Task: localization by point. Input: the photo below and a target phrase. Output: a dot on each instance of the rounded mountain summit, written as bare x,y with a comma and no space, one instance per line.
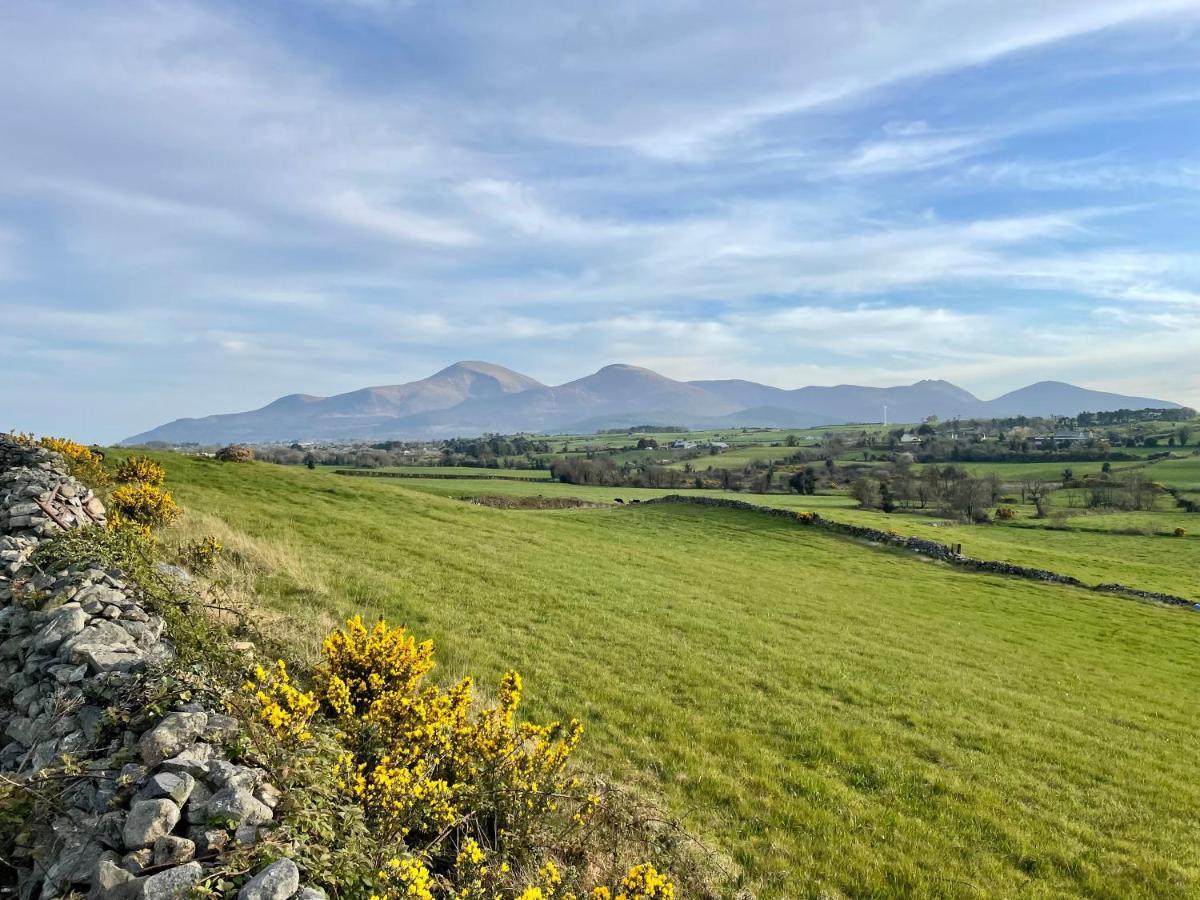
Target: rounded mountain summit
473,397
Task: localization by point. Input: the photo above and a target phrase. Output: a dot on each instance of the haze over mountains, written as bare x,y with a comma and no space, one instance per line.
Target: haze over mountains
470,398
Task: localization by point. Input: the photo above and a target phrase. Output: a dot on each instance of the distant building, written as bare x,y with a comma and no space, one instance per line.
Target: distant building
1067,437
718,445
907,438
683,445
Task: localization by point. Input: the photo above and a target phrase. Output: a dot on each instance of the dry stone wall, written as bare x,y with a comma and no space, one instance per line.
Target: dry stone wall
146,806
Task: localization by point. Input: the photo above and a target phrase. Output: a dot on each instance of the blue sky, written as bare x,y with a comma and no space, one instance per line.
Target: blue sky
205,206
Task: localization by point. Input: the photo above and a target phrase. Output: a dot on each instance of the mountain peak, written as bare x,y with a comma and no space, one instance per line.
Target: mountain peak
473,396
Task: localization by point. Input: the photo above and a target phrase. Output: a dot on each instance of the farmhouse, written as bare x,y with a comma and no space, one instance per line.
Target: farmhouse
683,445
1067,437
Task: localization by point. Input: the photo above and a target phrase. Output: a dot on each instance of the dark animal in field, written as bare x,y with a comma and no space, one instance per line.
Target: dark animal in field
618,500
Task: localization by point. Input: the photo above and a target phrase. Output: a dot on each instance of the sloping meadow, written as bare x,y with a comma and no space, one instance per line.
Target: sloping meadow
840,719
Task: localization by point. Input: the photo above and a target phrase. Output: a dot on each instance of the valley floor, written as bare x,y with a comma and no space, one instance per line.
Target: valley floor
842,720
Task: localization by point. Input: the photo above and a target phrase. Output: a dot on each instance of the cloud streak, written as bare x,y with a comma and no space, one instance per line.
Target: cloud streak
214,202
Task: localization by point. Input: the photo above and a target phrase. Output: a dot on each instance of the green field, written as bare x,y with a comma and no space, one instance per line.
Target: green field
460,471
1179,473
844,721
1088,548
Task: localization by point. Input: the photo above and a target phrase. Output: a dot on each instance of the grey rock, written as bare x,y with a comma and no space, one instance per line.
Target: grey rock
136,860
148,820
67,622
100,633
311,893
43,754
24,731
75,863
176,786
191,760
110,881
278,881
268,794
196,811
102,659
171,735
172,850
27,696
246,835
174,571
239,805
172,883
209,840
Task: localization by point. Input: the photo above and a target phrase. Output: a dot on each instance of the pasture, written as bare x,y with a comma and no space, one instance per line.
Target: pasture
842,720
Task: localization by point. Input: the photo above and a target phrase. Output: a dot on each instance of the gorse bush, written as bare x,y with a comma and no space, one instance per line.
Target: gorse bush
202,554
141,504
460,800
141,469
82,462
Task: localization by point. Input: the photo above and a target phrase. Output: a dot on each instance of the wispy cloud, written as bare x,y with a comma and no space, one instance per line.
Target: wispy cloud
803,192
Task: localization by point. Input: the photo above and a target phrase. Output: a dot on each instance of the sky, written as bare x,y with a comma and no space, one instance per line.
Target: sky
205,206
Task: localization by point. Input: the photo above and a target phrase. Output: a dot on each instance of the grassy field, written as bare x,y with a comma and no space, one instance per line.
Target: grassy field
1179,473
460,471
844,721
1090,550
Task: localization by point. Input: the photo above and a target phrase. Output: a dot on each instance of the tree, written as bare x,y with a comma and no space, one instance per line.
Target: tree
1184,434
1068,475
310,460
969,498
867,491
1035,489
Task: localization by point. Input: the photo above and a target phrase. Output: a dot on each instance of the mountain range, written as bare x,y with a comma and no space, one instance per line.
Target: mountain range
471,398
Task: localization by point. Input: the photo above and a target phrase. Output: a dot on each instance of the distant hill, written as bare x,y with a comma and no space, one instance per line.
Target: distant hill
364,413
470,398
1057,398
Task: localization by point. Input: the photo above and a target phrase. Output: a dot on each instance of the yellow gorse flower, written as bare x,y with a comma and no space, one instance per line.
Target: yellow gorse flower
141,469
142,504
285,710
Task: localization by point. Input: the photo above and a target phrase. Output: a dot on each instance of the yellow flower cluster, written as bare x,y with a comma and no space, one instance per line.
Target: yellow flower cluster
643,882
286,711
85,465
399,798
361,666
141,469
142,504
405,878
419,758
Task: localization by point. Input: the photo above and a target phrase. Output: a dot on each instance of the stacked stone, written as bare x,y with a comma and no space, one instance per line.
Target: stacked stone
35,490
152,803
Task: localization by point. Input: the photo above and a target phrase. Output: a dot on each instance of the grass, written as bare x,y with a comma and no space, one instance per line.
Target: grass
844,721
1179,473
1091,549
460,471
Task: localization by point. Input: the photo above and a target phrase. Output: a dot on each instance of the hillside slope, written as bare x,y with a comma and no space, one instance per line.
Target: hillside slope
861,709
